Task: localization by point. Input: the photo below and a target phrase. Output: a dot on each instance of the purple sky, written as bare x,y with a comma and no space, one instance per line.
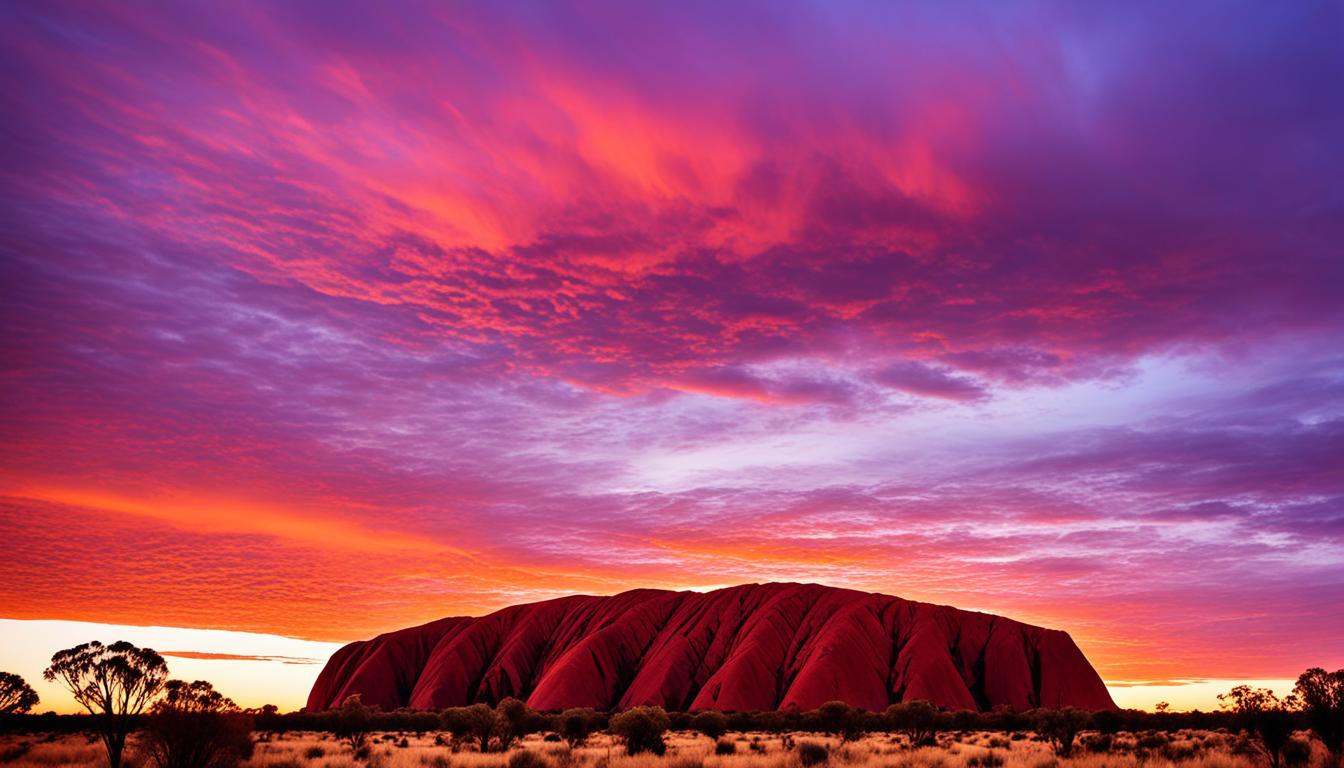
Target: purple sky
322,322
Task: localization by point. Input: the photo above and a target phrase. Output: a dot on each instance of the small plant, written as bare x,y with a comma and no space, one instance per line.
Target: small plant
1296,753
987,760
642,728
404,743
811,753
314,752
725,747
710,723
526,758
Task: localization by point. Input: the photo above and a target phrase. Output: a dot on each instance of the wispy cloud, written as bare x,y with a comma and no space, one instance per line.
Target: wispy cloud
1031,312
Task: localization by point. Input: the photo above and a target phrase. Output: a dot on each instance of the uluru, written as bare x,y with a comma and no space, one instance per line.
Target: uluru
753,647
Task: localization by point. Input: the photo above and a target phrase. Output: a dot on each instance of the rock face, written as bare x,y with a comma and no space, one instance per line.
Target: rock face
748,648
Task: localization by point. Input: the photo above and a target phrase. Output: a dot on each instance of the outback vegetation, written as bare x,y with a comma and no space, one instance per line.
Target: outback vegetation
138,717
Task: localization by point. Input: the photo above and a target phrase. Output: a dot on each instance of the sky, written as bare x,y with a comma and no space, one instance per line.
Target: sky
318,321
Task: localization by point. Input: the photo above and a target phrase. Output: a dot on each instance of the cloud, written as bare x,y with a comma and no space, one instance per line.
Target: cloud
994,311
239,657
925,381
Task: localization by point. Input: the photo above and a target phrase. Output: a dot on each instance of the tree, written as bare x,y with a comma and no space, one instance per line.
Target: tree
1321,696
16,696
710,723
840,719
1061,726
194,726
476,722
642,728
918,720
114,683
576,725
352,724
514,720
1263,715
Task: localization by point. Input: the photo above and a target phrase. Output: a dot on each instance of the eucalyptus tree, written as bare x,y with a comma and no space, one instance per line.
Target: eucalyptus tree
115,683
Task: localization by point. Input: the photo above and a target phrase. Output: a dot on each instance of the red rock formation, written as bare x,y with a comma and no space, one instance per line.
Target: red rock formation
753,647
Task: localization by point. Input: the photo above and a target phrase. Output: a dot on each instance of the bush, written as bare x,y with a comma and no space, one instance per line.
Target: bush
987,760
642,728
314,752
477,723
577,724
811,753
1296,753
839,719
710,723
725,747
1102,743
526,758
193,726
918,720
1060,727
353,722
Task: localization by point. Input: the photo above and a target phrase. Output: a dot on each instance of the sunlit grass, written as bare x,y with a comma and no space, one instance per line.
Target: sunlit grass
1186,749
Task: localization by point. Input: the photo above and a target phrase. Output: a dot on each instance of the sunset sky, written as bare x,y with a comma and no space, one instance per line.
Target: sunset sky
317,323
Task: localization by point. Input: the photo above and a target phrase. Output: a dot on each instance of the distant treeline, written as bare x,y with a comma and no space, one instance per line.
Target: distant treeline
452,720
126,689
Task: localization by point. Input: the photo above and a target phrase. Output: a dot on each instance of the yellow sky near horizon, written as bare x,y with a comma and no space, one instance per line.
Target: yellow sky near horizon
255,669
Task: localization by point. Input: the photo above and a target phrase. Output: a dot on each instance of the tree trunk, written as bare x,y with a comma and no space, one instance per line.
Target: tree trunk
115,745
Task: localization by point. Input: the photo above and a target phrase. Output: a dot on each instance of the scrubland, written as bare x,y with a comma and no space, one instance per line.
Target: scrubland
1192,749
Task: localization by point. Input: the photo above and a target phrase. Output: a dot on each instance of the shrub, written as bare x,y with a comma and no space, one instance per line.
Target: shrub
194,726
1152,740
811,754
314,752
576,725
1060,727
710,723
987,760
526,758
476,723
642,728
840,719
918,720
725,747
1296,753
1102,742
352,724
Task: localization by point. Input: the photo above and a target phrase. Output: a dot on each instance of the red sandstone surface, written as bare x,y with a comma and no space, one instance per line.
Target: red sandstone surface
748,648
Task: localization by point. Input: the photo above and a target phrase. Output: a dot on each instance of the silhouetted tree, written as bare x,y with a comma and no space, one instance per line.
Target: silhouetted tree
352,723
1321,696
114,683
1262,715
194,726
642,728
918,720
16,695
710,723
1060,727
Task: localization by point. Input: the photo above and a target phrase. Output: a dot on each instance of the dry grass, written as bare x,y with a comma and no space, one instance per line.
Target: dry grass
1186,749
